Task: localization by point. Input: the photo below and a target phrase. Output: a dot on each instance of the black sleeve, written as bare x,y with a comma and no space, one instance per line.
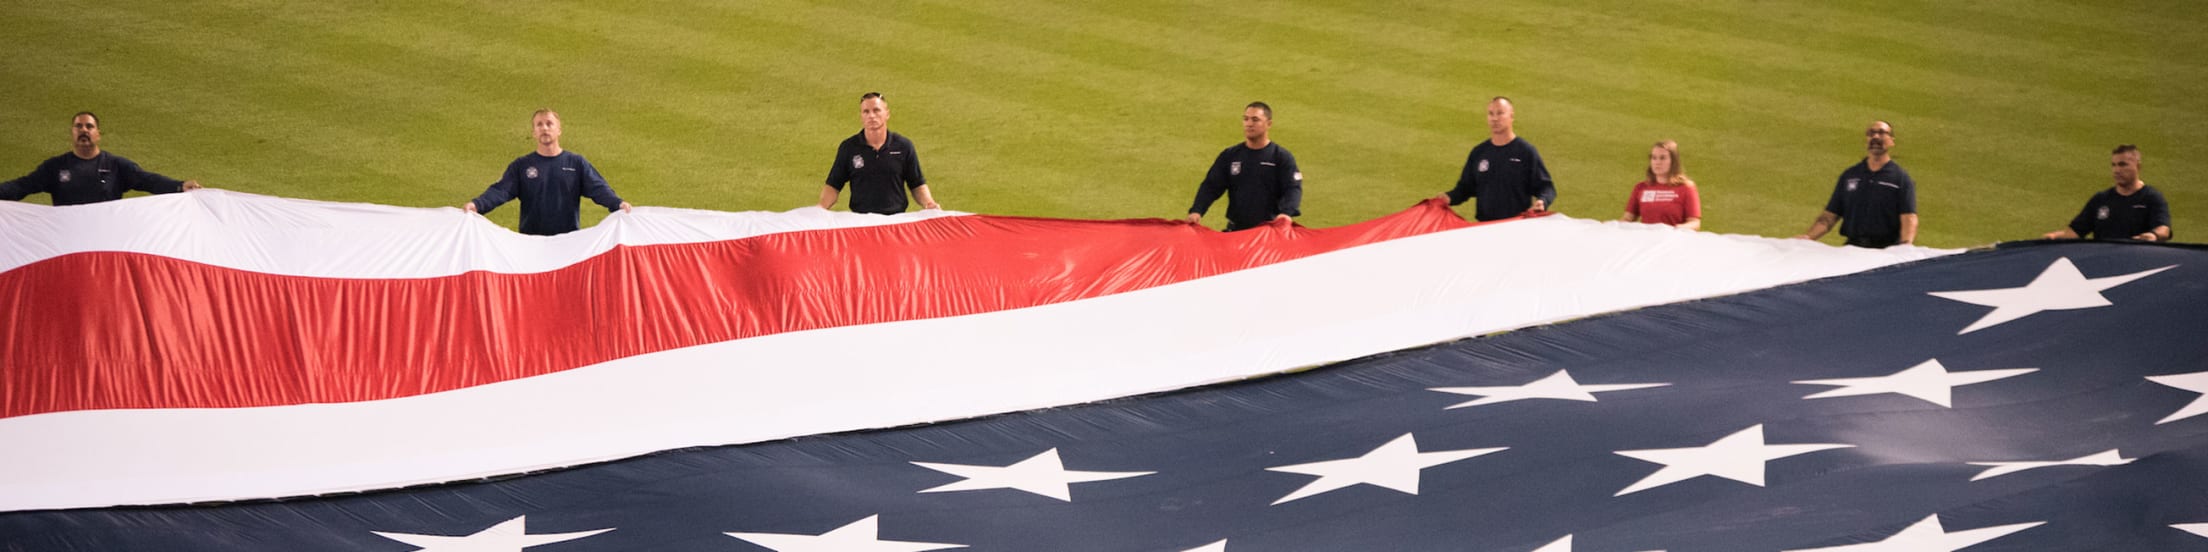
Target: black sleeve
1539,184
1215,185
839,173
1838,202
1291,185
1467,180
2158,211
2082,225
595,187
499,193
913,177
1908,194
137,178
16,190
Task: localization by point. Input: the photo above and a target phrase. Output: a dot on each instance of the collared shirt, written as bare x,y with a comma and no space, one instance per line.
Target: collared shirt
550,190
1505,179
2114,216
878,177
1259,184
1871,203
75,180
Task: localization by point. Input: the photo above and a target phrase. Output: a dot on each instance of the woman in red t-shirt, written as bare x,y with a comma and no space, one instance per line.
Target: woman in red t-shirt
1667,196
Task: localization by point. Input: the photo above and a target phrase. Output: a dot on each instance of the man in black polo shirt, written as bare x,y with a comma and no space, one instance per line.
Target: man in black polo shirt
878,164
87,174
1259,178
2129,210
1875,201
550,182
1504,172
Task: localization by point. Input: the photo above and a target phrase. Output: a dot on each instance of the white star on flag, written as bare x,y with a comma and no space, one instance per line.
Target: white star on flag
1220,546
1561,545
2060,287
1739,457
1928,536
1040,474
1559,385
508,536
859,536
1927,380
2103,458
1394,465
2196,382
2194,528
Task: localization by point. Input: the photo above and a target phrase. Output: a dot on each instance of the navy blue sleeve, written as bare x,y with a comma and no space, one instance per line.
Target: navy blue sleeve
37,181
839,173
1291,185
2082,225
2158,210
595,187
1215,185
1908,194
1467,180
1838,202
913,177
500,192
1540,185
140,179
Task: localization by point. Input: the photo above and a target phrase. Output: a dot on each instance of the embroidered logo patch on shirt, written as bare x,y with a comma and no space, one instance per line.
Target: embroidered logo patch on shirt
858,162
2103,214
64,176
1299,176
1234,168
531,173
1483,165
1851,184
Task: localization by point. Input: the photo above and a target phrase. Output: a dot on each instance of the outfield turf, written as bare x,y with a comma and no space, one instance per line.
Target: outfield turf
2004,110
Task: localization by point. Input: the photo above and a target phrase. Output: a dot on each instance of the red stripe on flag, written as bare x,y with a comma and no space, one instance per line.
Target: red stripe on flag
131,330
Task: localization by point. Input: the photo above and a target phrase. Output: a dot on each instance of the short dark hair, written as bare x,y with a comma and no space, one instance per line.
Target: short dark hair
1261,107
95,117
2125,148
872,95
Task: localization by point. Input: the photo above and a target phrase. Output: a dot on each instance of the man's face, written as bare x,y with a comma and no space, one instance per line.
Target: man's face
1878,138
1499,114
2124,167
874,113
546,128
1255,124
84,132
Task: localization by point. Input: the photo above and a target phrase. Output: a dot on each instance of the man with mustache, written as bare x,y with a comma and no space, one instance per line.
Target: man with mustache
87,174
549,182
1875,201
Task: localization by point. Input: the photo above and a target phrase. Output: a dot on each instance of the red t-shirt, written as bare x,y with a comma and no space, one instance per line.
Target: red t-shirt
1664,203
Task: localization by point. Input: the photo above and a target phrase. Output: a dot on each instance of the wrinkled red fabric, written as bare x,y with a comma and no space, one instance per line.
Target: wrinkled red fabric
131,330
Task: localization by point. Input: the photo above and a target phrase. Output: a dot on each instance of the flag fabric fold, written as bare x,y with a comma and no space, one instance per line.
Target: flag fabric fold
1844,413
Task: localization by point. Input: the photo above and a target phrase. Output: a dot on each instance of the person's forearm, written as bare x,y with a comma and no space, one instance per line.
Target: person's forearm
1821,226
828,197
927,198
1909,228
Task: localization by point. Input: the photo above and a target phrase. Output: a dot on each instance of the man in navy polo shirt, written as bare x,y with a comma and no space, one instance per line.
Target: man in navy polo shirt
550,182
1875,201
1504,172
879,165
88,174
2129,210
1259,178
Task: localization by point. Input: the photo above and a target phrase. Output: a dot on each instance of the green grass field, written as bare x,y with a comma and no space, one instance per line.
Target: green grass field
2005,110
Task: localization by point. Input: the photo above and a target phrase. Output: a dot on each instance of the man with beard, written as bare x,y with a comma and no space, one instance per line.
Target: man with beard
87,174
549,182
1875,201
